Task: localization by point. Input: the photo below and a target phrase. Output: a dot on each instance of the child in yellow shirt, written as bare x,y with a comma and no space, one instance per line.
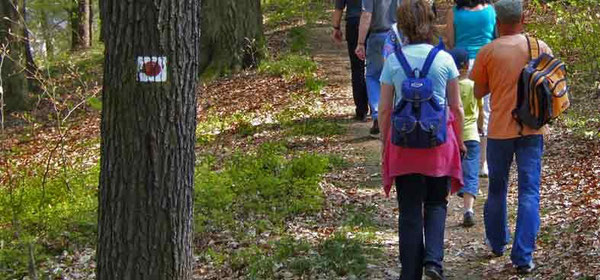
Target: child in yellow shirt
470,161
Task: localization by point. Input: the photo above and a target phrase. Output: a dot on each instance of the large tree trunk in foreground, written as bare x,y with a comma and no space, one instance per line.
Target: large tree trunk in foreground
14,61
232,35
148,133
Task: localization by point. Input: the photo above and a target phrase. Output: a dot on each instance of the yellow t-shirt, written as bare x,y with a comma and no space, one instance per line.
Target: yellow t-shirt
471,107
499,65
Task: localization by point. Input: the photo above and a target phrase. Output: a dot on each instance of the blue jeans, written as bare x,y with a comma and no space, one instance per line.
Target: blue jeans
528,151
374,67
415,194
470,167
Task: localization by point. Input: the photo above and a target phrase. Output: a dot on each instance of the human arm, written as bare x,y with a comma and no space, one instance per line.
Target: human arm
479,73
363,29
386,104
450,29
455,103
481,89
336,21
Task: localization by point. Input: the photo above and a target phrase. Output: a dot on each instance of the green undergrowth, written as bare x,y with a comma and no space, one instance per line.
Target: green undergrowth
343,254
51,215
277,12
268,185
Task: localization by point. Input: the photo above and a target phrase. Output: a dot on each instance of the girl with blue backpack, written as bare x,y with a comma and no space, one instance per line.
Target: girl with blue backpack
421,120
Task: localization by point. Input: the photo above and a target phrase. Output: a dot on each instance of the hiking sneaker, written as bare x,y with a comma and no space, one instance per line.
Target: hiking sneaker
484,173
374,131
361,117
468,219
494,253
434,272
525,269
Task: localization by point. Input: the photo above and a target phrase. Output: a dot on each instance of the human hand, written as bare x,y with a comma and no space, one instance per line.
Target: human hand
361,52
337,36
463,149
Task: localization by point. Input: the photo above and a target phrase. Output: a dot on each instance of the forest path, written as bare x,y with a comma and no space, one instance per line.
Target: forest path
465,255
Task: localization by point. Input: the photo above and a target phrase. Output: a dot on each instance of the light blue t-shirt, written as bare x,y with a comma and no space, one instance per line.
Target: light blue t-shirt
442,70
474,29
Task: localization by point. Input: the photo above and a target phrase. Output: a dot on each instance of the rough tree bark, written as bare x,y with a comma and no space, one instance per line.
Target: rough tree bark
12,51
147,149
232,36
30,67
91,22
80,26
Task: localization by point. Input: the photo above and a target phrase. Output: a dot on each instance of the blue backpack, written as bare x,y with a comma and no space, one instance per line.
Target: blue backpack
418,120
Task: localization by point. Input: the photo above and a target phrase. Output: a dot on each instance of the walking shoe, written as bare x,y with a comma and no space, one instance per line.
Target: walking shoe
468,219
374,131
361,117
525,269
484,170
494,253
434,272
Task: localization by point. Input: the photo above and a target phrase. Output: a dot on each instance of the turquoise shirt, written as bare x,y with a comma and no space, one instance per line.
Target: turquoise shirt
474,29
442,70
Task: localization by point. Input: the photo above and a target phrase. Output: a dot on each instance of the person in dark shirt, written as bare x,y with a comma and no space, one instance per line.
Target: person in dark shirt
359,89
377,18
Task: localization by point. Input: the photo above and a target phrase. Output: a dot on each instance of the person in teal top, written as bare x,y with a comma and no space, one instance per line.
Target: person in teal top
471,24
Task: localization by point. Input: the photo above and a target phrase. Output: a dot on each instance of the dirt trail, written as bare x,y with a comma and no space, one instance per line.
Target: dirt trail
465,256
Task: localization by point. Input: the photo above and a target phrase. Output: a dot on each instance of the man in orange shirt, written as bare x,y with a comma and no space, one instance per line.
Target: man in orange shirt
497,69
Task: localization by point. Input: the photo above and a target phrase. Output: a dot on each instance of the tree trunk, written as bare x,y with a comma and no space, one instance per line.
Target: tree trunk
91,22
80,24
12,52
145,210
30,67
47,34
232,36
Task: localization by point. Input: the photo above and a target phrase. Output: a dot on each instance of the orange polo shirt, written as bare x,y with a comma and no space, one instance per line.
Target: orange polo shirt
499,65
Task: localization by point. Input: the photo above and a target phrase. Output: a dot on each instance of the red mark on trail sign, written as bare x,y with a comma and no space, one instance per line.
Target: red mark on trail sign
152,69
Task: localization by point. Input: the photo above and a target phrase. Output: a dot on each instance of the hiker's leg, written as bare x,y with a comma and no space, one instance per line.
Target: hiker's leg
529,152
359,86
374,67
500,156
470,167
435,219
411,192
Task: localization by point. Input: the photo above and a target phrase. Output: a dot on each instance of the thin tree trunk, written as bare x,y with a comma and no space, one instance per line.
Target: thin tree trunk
80,26
30,67
91,22
145,208
47,34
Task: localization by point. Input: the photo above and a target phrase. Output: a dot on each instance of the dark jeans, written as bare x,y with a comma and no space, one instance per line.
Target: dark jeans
359,86
418,193
528,152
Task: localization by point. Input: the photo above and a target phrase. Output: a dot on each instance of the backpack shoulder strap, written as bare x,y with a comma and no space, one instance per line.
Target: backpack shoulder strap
534,47
404,62
429,61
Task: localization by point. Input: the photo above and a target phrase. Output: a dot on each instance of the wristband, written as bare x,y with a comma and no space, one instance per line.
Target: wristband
336,27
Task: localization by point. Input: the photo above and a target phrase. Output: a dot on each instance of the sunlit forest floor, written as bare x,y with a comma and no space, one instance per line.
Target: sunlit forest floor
288,185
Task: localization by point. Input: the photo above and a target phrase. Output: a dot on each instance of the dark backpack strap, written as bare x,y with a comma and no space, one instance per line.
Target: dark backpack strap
429,61
402,59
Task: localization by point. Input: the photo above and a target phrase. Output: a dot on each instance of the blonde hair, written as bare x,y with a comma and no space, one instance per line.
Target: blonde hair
416,20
